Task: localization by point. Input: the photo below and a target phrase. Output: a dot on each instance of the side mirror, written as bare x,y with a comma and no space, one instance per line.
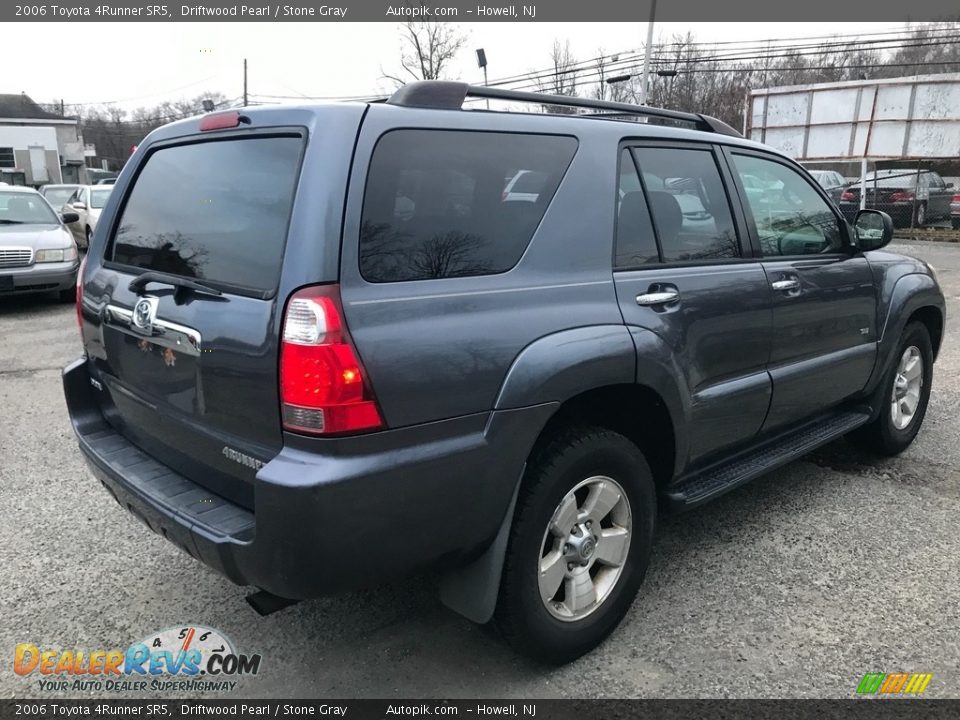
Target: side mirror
949,185
70,217
80,205
873,229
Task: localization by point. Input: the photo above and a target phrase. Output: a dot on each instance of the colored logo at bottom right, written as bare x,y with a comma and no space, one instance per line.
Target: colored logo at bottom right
901,683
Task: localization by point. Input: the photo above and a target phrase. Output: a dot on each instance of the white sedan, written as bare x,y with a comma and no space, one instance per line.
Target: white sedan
87,202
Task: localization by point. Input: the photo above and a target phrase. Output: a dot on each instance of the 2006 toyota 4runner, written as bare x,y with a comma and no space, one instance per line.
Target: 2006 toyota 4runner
330,345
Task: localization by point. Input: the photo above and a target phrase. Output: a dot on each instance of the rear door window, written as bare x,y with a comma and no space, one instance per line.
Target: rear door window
442,204
689,204
216,211
636,243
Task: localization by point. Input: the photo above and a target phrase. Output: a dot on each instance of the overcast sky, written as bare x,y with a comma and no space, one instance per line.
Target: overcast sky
142,64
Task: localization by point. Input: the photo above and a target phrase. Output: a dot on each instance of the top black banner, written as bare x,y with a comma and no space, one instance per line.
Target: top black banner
474,11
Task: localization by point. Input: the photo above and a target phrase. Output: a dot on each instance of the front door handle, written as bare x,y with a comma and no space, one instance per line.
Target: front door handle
785,285
661,297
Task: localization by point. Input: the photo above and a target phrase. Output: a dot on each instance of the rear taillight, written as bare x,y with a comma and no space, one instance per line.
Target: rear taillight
901,196
323,387
79,294
956,198
848,196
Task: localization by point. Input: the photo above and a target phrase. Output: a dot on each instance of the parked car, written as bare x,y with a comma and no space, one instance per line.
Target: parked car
37,252
312,387
899,193
831,181
58,195
87,202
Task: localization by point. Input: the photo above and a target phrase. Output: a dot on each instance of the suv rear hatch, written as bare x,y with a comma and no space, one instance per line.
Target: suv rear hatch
185,301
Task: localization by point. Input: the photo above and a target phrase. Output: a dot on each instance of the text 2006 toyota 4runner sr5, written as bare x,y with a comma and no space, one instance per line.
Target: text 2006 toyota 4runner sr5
330,345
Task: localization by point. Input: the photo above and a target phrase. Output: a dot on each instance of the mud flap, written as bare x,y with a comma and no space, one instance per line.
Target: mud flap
472,590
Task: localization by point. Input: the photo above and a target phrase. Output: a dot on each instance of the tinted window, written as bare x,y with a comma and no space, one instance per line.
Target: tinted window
791,217
688,203
213,210
436,203
636,244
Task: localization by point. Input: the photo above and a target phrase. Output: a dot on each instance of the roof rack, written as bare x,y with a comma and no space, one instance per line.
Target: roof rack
450,95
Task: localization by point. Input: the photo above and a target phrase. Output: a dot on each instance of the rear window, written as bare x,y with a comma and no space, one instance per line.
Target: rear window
436,203
216,211
906,178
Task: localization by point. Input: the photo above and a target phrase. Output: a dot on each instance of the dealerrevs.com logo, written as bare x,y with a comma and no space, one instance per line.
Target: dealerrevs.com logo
189,658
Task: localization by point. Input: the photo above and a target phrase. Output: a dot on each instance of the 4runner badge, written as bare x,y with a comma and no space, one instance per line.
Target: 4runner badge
238,457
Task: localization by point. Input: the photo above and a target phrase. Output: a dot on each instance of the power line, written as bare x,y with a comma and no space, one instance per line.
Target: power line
676,60
536,81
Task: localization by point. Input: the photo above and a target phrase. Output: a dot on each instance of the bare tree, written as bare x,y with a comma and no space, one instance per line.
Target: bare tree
562,80
427,48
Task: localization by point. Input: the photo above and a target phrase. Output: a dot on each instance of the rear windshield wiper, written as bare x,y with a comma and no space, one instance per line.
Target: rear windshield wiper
141,281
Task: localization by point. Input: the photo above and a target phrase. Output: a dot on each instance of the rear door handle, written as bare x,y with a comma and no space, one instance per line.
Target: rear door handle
785,285
661,297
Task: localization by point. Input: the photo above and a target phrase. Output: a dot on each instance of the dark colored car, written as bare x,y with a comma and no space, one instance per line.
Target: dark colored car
910,197
324,346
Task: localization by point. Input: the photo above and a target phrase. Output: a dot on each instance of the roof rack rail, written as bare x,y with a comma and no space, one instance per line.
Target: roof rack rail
450,95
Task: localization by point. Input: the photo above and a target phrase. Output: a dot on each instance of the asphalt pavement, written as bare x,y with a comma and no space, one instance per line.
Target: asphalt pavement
793,586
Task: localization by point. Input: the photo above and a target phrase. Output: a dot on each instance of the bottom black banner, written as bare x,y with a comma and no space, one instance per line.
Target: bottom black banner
868,709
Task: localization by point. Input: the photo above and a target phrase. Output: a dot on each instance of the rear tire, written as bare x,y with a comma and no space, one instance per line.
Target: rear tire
956,223
593,468
902,404
920,215
87,235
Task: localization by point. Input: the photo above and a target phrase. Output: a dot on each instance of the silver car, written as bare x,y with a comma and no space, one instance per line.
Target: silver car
37,251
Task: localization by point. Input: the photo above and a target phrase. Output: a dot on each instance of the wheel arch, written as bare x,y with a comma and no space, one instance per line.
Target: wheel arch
590,375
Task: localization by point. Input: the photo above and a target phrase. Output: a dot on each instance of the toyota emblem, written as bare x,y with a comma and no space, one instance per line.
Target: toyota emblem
144,312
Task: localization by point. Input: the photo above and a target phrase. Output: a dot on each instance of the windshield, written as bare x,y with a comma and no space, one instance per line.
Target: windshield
18,208
59,196
98,197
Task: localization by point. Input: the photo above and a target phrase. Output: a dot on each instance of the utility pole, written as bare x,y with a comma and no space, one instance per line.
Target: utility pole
646,54
244,82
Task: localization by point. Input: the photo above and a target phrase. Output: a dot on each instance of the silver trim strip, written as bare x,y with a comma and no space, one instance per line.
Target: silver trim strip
161,332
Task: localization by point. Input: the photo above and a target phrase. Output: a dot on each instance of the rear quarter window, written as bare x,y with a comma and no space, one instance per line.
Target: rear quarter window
216,210
444,203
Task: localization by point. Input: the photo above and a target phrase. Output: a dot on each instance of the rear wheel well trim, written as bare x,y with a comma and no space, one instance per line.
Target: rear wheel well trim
473,590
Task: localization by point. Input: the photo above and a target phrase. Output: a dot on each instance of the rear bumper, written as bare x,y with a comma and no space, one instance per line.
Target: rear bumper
367,510
41,277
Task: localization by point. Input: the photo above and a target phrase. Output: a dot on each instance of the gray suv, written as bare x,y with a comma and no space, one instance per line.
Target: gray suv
326,346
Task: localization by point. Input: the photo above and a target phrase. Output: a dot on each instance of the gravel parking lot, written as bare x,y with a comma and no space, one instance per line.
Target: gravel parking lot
794,586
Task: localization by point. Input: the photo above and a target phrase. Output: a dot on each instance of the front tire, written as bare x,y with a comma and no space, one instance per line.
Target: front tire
579,546
903,396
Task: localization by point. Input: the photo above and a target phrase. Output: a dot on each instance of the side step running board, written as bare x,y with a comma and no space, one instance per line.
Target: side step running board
779,451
